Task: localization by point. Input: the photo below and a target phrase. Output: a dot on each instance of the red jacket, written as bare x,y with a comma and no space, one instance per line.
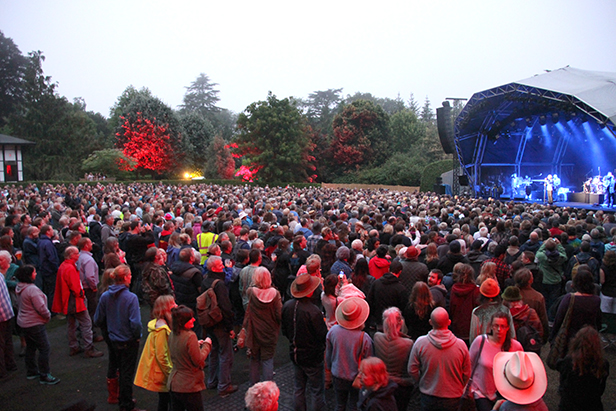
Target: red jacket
378,266
68,282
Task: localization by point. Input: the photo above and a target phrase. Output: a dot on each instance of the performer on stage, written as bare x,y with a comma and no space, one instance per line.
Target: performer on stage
608,183
549,188
528,189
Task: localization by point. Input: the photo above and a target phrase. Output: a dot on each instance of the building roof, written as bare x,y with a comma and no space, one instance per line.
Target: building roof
4,139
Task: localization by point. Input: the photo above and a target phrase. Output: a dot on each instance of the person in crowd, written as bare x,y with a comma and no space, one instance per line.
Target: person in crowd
361,277
262,324
221,334
490,302
329,299
412,270
113,256
32,317
394,348
379,264
262,396
155,363
520,378
440,366
487,270
347,345
386,292
188,355
186,279
496,339
463,300
551,259
586,306
521,313
417,311
70,300
88,272
524,280
303,325
118,311
437,289
454,256
431,258
49,263
583,372
156,279
608,282
343,255
377,390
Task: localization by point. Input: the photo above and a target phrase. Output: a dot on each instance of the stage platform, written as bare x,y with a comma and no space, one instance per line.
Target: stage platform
572,204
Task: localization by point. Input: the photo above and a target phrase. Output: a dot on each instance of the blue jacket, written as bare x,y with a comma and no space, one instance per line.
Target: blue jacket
118,308
48,257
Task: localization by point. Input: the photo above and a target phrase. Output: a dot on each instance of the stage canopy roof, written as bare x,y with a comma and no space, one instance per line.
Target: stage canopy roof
562,121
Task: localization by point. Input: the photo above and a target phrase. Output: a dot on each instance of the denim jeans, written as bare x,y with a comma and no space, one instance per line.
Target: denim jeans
221,359
311,379
36,339
85,326
261,370
49,288
345,393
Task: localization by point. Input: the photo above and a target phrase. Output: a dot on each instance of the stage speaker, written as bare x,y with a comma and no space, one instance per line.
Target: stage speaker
444,122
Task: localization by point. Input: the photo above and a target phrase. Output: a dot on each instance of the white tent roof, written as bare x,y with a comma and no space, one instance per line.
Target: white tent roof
595,88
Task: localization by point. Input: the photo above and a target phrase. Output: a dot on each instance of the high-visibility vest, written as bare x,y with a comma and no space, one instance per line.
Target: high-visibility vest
204,241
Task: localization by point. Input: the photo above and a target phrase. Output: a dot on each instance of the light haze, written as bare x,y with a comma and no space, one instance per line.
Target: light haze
432,48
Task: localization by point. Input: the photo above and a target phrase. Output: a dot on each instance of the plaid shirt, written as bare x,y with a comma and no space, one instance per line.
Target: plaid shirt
503,271
6,309
311,242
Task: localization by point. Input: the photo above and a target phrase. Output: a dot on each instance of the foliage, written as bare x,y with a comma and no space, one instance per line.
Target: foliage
320,108
275,135
149,143
361,136
198,134
406,131
151,133
399,169
427,114
220,162
12,70
432,171
120,107
224,122
201,97
110,162
62,131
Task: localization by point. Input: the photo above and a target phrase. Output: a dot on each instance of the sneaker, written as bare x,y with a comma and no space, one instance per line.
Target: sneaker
230,390
93,353
33,376
49,379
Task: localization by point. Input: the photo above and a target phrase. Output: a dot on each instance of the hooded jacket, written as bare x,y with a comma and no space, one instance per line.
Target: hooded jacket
68,282
386,292
446,263
262,321
551,264
187,281
462,302
379,400
32,306
118,309
440,364
378,266
155,363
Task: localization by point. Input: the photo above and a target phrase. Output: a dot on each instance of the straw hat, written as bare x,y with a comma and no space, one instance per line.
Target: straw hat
520,376
304,285
352,313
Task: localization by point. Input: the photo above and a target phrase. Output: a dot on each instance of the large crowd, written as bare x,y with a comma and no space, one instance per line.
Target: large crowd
381,294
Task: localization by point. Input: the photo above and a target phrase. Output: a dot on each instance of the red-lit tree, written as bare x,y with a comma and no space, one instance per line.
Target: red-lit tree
150,144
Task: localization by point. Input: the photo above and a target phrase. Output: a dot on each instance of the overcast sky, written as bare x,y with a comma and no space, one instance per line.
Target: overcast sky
432,48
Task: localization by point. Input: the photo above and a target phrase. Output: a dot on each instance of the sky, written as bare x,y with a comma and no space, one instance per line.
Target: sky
431,48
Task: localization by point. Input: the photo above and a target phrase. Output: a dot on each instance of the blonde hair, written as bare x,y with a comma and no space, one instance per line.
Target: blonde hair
488,270
162,306
392,322
262,278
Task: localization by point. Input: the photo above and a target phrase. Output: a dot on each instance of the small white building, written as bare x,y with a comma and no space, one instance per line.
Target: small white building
11,163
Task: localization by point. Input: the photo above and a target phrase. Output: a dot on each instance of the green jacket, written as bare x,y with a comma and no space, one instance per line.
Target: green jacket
552,268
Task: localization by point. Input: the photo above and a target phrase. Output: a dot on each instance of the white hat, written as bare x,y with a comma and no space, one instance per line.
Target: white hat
520,376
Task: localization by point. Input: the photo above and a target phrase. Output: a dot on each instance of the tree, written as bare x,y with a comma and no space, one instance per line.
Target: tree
201,97
427,114
361,135
220,162
320,109
12,70
413,105
63,133
275,136
151,134
120,107
406,131
198,133
111,162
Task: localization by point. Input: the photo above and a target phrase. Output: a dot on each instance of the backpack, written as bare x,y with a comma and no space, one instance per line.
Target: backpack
577,265
208,312
529,337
